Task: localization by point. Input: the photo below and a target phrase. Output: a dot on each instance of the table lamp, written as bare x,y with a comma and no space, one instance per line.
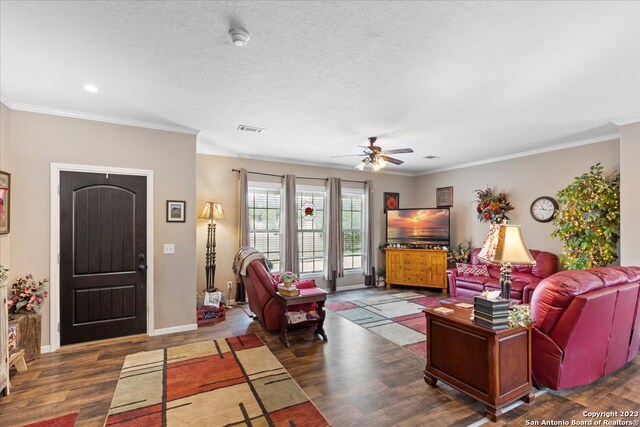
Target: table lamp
213,212
505,245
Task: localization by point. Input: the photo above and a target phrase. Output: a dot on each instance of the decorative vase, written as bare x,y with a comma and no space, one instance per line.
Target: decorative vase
29,331
288,283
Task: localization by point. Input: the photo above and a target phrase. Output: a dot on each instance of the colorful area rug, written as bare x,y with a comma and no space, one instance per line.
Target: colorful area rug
230,381
396,317
68,420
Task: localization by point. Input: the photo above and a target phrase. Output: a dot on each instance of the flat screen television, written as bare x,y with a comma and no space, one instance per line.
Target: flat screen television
428,226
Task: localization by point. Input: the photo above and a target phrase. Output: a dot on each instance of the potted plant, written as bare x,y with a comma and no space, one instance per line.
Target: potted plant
460,253
588,221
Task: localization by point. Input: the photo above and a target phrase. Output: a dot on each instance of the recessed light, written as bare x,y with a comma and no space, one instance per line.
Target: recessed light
91,88
431,157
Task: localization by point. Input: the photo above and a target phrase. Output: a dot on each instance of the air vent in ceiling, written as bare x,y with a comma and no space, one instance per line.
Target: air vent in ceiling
250,129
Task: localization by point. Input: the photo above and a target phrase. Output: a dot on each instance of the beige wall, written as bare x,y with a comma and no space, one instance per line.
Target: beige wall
37,140
630,194
524,179
216,181
5,165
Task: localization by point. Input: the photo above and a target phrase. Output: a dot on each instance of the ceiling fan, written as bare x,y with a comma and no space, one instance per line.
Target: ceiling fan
376,157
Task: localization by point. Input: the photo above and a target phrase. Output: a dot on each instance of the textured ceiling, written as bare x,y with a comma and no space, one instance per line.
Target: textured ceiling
464,81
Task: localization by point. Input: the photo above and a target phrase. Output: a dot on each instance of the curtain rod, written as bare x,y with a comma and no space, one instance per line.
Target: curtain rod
298,177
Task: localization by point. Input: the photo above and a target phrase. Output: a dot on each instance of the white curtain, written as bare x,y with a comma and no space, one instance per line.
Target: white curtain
291,261
244,226
368,243
334,250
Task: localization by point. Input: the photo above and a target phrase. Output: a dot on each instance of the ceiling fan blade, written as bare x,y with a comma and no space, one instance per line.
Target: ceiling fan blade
348,155
373,148
391,160
397,151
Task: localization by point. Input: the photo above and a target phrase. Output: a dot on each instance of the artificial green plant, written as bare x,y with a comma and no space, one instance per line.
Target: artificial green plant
588,221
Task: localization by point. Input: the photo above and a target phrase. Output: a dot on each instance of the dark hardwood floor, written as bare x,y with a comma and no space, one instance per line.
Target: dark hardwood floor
356,379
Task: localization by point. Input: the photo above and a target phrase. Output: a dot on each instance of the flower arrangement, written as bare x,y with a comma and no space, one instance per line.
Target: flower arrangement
520,315
588,221
492,207
27,294
288,276
460,253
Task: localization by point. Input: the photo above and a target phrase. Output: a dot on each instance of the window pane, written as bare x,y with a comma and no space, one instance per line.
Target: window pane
264,222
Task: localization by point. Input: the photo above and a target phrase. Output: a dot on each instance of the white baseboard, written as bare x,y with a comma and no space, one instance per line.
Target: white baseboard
45,349
174,329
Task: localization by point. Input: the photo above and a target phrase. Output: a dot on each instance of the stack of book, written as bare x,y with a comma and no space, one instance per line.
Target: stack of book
492,314
288,291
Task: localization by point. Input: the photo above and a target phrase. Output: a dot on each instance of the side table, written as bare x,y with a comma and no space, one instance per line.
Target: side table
317,295
492,366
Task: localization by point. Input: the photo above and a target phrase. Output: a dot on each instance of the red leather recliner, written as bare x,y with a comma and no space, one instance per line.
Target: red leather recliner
586,325
261,286
524,278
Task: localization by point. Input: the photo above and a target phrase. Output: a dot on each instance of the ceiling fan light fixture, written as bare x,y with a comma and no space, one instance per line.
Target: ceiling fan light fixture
360,166
376,166
382,162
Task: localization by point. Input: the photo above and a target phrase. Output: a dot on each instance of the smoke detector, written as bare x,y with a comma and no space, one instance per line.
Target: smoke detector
239,37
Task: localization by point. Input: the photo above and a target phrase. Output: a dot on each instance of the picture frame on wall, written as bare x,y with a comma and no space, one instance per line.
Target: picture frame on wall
176,210
5,202
444,197
391,201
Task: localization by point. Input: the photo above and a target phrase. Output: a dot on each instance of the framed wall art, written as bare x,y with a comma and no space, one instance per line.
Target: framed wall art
176,210
444,197
5,202
391,201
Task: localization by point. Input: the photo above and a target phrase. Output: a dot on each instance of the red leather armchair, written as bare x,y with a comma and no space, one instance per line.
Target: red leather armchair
524,278
586,325
261,288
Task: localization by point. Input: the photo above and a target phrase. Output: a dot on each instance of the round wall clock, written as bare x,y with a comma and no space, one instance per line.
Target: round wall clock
544,208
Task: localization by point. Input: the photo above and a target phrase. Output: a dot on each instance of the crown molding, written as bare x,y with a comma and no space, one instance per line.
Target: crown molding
6,100
527,153
30,108
622,122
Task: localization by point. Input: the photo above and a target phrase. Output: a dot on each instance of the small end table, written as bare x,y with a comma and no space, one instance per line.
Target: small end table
317,295
492,366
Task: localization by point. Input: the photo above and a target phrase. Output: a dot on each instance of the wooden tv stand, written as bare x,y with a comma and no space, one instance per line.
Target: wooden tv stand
416,267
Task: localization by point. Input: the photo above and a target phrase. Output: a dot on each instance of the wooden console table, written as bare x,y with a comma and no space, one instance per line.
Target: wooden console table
317,295
491,366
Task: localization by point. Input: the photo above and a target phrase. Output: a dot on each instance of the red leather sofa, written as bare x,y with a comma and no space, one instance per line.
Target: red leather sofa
524,278
586,325
261,287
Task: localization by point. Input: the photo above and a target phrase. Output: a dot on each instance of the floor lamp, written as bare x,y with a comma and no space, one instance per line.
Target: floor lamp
213,212
505,245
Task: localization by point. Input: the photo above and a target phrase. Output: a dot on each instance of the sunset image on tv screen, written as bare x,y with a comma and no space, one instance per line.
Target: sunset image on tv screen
418,226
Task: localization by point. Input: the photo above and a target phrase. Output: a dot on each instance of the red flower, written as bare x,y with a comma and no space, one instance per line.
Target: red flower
487,216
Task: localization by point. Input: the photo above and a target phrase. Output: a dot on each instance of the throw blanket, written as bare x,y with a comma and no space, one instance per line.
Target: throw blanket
243,258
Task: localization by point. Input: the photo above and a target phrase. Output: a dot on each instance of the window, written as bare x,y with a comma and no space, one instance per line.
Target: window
310,204
352,228
264,220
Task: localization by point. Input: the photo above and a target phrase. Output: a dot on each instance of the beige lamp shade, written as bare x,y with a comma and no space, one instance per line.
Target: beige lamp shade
505,244
212,211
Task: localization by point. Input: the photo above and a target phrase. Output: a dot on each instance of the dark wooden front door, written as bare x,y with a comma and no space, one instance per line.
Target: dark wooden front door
103,256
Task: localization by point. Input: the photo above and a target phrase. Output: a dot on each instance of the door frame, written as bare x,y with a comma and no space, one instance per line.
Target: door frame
54,284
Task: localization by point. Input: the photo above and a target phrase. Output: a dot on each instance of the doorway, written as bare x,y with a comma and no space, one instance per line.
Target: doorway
101,285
